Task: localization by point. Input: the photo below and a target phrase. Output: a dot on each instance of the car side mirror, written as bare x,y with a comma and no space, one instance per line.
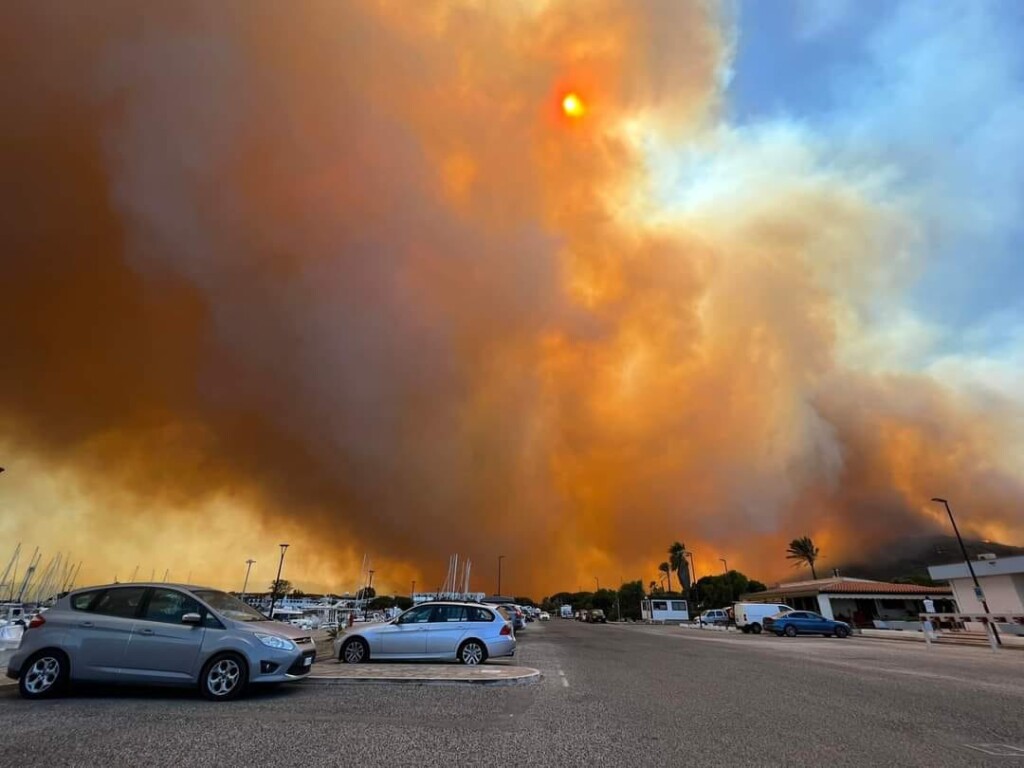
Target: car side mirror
191,618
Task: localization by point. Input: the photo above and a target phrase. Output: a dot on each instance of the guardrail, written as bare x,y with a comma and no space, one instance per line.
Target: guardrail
987,620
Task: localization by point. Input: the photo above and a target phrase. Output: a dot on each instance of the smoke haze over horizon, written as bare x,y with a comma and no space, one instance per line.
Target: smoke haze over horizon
345,275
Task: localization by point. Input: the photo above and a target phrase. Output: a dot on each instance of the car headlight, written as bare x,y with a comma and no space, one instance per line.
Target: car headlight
274,641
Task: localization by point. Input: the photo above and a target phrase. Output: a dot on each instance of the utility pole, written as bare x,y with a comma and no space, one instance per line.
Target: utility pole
248,567
978,593
500,558
691,597
277,581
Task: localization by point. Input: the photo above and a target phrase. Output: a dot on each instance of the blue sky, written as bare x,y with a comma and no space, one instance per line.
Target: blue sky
932,92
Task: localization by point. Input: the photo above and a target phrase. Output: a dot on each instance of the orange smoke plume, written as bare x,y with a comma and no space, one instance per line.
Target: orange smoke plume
346,273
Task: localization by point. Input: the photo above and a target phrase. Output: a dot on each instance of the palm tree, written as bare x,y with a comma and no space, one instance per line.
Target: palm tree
802,550
677,559
667,570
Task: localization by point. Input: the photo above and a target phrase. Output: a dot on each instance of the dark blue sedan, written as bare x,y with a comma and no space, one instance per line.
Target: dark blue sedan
805,623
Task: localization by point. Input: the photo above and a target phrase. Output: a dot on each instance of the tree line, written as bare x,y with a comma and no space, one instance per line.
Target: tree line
711,591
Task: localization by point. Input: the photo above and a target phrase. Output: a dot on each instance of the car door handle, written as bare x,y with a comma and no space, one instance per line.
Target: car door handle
145,631
86,624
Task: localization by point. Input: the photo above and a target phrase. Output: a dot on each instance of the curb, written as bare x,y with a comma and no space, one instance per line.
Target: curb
528,677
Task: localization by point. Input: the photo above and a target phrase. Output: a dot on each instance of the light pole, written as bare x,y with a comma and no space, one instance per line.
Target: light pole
277,581
970,567
412,595
500,558
248,567
687,554
725,565
597,583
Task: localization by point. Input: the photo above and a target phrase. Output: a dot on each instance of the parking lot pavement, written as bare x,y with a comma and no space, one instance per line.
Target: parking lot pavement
609,695
973,666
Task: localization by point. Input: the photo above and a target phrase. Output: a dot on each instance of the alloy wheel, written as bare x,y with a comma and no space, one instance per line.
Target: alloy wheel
223,677
354,652
42,675
472,654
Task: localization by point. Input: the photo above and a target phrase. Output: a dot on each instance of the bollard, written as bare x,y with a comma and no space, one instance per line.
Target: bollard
990,630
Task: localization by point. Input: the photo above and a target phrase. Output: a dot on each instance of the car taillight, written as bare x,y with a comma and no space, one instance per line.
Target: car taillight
506,630
36,622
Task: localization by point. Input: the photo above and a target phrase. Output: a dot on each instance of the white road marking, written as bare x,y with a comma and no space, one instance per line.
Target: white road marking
565,680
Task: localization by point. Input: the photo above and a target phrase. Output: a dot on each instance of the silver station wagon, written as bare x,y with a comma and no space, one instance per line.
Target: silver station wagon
162,634
443,631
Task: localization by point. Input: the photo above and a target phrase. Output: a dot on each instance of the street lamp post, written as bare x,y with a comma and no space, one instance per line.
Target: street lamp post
688,555
597,583
500,558
412,595
970,567
248,567
725,565
277,581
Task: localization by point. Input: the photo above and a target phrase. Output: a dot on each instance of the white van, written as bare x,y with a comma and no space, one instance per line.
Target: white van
750,616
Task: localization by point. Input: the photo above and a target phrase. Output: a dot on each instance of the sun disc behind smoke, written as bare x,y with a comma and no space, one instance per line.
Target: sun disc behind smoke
573,106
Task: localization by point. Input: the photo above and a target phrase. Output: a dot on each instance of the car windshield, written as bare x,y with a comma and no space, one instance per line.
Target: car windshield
229,606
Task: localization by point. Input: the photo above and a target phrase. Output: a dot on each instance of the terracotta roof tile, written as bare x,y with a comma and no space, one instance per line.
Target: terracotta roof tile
855,586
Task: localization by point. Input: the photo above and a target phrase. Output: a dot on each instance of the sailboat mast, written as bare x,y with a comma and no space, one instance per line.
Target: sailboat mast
32,565
11,570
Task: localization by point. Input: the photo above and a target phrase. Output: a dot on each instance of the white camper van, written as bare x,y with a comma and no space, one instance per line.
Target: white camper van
750,616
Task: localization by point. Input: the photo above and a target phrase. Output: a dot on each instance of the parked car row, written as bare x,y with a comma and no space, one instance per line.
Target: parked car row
181,635
753,618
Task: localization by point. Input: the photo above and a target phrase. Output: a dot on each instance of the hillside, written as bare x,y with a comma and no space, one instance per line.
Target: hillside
908,559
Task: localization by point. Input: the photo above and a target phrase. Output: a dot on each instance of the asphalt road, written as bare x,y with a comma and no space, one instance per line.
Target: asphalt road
610,695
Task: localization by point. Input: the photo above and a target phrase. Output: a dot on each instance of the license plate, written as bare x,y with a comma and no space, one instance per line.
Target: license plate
308,661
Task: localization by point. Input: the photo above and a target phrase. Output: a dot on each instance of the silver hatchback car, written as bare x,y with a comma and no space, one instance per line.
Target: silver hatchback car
444,631
163,634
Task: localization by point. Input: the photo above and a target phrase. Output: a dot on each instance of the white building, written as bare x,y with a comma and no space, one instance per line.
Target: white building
1001,580
662,609
861,602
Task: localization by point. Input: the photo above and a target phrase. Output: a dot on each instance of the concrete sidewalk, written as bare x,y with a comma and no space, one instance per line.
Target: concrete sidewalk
335,673
966,639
